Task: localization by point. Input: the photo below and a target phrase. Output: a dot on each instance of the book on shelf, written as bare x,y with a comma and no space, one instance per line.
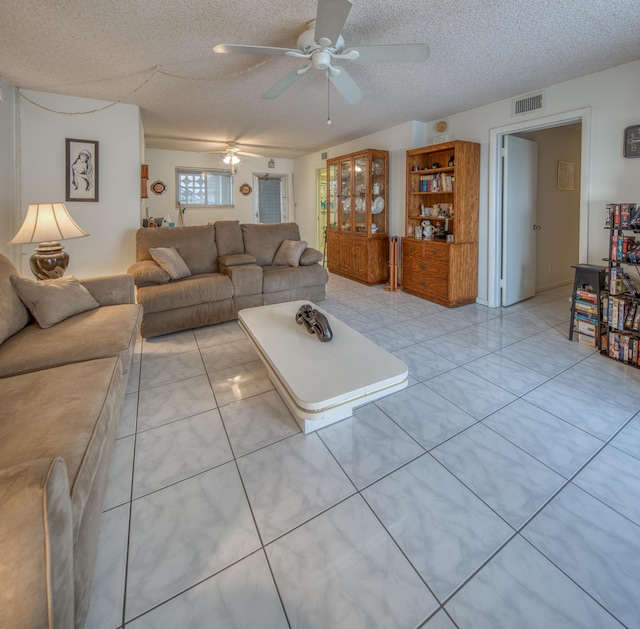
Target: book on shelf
442,182
622,215
587,295
629,318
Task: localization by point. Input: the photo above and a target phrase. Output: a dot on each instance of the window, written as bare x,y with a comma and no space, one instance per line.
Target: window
204,187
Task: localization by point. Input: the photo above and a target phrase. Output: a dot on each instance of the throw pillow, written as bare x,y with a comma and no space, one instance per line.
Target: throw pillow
169,259
310,256
289,253
52,301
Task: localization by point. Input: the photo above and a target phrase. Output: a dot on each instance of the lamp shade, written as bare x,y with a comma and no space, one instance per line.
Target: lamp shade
46,222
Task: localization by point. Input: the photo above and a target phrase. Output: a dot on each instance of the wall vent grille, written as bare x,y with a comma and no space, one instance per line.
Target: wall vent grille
324,155
525,104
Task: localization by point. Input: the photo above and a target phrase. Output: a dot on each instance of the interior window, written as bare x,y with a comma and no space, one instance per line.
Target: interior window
208,187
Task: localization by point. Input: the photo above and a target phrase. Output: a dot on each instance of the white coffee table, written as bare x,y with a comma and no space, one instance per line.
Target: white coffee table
321,383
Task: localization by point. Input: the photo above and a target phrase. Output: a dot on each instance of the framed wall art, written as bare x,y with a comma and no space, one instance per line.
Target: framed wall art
81,170
566,175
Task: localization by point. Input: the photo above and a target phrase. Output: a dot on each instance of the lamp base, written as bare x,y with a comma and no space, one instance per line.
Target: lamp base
49,261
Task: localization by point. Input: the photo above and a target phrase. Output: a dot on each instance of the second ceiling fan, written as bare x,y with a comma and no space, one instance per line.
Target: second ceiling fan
322,44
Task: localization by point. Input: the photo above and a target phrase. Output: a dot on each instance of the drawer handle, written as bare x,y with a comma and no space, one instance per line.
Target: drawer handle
435,252
412,248
423,267
423,283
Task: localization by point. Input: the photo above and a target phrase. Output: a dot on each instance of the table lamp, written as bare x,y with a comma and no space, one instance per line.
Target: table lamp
47,224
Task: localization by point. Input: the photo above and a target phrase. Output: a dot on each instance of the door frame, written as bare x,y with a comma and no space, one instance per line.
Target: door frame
494,226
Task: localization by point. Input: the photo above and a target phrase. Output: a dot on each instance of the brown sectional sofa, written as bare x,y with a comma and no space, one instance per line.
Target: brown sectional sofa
231,266
61,389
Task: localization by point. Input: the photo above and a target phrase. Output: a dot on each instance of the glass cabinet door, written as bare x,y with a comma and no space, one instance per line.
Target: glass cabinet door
378,195
345,195
332,195
360,193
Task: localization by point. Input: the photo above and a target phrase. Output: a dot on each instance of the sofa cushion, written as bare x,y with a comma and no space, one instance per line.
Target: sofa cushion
13,313
279,278
310,256
148,273
196,245
170,261
229,238
52,301
67,411
289,253
262,241
190,291
105,331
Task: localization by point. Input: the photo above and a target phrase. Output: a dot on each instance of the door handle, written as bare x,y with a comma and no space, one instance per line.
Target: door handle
536,228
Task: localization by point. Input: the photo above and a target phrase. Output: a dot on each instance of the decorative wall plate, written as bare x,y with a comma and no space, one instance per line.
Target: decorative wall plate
158,187
245,189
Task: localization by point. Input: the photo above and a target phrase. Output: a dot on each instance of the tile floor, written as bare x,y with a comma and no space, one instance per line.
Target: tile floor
500,489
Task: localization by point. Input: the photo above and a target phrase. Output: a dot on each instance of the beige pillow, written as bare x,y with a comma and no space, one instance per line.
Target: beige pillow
169,260
52,301
289,253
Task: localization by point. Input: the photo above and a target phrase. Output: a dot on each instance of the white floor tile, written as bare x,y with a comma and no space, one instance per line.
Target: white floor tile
342,570
369,445
175,451
445,531
510,481
521,588
290,482
185,533
241,596
595,546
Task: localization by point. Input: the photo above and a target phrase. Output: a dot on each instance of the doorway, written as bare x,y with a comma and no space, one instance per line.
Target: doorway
554,255
321,209
270,198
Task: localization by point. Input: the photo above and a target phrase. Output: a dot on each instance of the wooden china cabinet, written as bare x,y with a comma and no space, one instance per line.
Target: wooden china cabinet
358,216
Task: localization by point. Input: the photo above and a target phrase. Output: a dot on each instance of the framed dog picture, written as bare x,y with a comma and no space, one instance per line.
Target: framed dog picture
81,170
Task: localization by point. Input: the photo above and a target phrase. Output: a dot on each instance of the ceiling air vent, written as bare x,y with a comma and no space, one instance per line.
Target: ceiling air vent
525,104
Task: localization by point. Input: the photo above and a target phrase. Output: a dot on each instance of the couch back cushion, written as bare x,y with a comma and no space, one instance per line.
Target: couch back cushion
229,238
196,245
262,241
13,313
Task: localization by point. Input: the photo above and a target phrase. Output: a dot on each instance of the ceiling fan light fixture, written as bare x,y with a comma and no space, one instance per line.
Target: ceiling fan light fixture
230,158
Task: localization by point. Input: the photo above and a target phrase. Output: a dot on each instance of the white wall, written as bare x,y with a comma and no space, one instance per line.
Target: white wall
40,159
613,96
7,171
162,167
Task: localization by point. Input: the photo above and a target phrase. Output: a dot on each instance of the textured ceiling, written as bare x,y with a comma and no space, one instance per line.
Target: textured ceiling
158,54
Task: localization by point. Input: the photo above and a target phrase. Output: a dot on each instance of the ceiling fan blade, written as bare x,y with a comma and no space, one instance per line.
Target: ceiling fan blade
252,50
284,84
346,86
330,18
398,52
249,154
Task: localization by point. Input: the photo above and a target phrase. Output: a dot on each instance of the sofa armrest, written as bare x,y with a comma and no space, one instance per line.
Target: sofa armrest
36,546
310,256
246,279
111,289
236,259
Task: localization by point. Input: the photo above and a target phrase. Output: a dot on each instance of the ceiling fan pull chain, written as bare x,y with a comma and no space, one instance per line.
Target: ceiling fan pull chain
328,100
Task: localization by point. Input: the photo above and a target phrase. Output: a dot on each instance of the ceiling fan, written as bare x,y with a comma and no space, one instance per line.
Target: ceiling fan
231,152
322,44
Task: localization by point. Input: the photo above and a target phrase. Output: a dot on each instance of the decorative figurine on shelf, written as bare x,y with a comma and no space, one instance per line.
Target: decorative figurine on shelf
427,230
452,161
435,165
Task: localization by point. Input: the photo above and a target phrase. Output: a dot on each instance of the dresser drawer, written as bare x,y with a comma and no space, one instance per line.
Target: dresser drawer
432,288
425,267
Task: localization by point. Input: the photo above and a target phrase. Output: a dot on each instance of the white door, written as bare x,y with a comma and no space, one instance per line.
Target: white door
519,219
269,200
